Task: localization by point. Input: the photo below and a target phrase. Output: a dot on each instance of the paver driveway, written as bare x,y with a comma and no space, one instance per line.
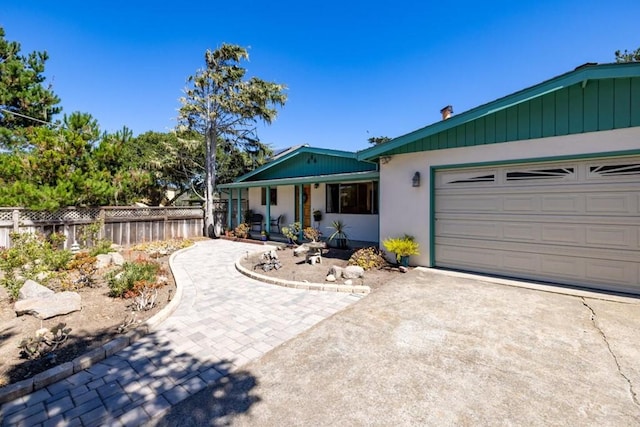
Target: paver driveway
223,321
439,350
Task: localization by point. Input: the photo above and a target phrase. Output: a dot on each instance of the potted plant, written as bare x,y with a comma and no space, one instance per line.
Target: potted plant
403,247
292,231
312,234
339,235
317,215
264,236
242,231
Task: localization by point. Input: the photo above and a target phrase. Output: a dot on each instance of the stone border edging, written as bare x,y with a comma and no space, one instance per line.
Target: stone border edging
308,286
80,363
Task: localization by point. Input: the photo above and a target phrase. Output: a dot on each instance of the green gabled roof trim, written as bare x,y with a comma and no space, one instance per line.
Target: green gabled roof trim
297,152
580,76
340,177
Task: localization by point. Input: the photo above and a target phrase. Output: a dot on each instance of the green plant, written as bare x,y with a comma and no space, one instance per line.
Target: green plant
31,256
368,258
89,238
292,231
402,246
85,265
44,341
242,231
124,280
339,233
312,234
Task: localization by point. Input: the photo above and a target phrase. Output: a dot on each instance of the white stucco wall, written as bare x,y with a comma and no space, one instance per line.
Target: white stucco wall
406,209
359,227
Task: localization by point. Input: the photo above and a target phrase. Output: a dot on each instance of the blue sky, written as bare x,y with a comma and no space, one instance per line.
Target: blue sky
353,69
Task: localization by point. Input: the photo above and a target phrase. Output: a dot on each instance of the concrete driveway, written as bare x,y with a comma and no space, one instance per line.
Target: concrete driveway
438,349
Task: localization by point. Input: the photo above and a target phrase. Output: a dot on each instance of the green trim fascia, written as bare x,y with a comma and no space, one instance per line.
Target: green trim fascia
540,159
297,152
432,216
341,177
581,75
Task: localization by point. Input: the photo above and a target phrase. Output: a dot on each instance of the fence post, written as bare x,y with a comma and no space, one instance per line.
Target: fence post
16,220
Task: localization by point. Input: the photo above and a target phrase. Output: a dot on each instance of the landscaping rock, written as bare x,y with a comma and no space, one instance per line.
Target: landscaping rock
403,269
103,260
117,258
300,250
330,278
32,289
49,306
335,271
348,282
353,272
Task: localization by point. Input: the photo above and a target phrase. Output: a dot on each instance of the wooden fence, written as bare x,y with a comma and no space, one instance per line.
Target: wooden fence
122,225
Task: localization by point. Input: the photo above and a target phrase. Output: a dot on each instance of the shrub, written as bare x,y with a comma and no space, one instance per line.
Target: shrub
242,231
85,265
312,233
44,341
124,280
368,258
89,237
29,256
402,246
292,231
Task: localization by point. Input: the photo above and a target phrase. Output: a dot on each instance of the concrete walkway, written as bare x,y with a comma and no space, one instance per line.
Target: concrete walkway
223,321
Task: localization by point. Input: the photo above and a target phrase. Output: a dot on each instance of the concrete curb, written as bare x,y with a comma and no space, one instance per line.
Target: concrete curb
300,285
80,363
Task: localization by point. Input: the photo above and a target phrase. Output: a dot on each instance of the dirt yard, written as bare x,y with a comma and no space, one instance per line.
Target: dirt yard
295,268
97,323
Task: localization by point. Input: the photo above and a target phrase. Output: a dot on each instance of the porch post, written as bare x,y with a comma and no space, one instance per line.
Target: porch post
268,214
230,210
239,212
300,210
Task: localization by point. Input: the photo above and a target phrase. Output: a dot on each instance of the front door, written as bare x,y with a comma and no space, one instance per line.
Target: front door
306,205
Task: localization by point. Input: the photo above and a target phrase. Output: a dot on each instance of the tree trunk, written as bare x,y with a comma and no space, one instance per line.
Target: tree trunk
209,220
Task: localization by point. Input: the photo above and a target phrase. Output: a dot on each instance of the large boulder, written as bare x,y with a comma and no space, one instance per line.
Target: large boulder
335,271
103,260
117,258
32,289
49,306
353,272
300,250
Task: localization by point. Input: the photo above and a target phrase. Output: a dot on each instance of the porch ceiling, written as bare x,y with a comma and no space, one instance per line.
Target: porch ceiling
340,177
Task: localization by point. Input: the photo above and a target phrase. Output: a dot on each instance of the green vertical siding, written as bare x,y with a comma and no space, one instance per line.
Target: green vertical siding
605,105
594,105
634,93
576,118
310,164
535,123
590,108
622,103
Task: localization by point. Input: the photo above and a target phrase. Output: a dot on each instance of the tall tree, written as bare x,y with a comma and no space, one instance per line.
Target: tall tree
633,56
375,140
222,105
23,95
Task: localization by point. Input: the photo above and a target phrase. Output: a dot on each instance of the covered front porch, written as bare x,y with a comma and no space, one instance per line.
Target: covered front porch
312,187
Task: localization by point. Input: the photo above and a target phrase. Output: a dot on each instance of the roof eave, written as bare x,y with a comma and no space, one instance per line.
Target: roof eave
581,75
340,177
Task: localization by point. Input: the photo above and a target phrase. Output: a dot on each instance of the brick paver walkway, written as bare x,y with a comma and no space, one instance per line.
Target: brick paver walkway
223,321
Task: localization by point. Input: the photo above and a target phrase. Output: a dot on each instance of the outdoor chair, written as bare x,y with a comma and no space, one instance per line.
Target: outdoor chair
275,222
256,221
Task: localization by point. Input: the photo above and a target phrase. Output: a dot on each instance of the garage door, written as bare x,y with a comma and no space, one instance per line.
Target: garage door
570,222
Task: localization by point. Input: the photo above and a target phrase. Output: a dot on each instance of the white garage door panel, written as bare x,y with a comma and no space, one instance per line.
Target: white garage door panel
578,235
566,222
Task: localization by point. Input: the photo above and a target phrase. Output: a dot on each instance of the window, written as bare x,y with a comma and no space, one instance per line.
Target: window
274,196
357,198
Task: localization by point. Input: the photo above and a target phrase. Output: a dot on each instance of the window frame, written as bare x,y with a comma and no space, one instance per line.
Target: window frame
274,196
338,192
